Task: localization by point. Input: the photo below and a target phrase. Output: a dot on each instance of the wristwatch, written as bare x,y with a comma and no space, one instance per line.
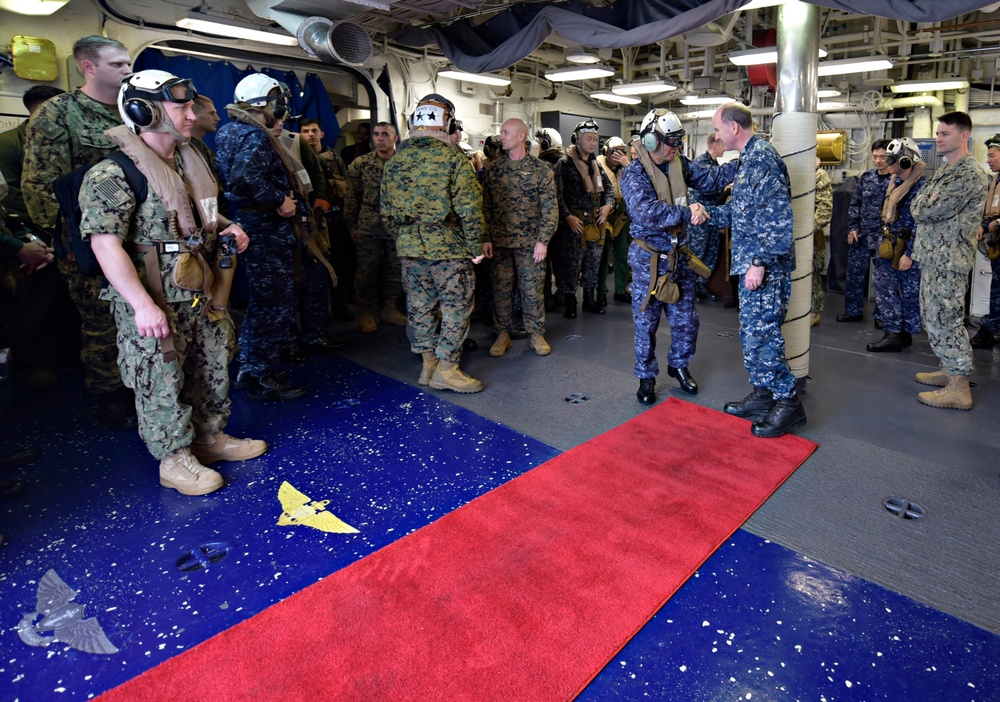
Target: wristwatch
758,261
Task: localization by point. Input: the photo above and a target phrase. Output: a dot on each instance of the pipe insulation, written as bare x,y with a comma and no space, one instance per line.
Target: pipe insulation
794,136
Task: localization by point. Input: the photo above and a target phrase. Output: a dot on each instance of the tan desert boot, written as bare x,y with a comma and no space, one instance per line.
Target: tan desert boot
209,448
955,395
181,471
938,378
540,345
430,365
390,315
448,376
366,320
500,346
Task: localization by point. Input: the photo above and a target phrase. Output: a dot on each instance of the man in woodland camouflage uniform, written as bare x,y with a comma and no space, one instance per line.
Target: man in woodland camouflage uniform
519,198
431,204
67,132
377,257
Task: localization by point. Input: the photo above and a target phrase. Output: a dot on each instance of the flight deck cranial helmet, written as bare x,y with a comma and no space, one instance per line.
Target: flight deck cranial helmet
140,97
492,146
661,126
434,112
257,91
614,144
904,150
548,138
587,125
993,142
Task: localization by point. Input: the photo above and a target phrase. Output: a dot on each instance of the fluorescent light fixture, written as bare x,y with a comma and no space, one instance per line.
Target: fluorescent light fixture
759,56
484,78
579,73
234,29
827,93
706,100
612,97
758,4
922,86
32,7
645,87
862,64
698,114
583,57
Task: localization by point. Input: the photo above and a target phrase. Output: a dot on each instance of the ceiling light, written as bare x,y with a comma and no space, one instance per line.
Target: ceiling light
32,7
484,78
645,87
698,114
235,29
758,4
921,86
581,56
706,100
827,93
612,97
579,73
758,56
862,64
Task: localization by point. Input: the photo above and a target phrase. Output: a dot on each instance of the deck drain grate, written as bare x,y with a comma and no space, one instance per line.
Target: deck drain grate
904,509
202,556
577,398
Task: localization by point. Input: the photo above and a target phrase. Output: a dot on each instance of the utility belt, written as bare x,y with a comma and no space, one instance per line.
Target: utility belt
893,245
452,220
192,272
665,287
592,231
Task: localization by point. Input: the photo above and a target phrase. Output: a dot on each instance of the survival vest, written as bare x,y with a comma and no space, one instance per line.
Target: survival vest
67,191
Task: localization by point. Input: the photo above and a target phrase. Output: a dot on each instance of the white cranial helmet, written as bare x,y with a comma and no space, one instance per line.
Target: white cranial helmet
614,143
548,138
140,97
660,125
904,150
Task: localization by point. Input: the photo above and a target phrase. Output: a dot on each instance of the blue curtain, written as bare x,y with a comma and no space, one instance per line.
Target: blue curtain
217,80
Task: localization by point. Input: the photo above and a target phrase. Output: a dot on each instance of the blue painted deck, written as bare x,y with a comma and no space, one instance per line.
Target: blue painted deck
757,621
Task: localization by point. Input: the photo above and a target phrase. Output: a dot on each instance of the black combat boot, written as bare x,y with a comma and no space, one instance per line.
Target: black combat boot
905,339
602,299
982,340
570,302
646,393
758,403
889,342
272,389
589,305
685,378
783,417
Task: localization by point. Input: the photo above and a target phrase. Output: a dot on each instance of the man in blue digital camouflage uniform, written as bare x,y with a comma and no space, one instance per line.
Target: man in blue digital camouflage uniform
897,275
760,215
259,188
654,187
704,238
864,234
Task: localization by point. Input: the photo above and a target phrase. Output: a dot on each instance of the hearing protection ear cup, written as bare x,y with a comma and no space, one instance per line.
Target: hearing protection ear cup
905,162
572,138
650,141
143,113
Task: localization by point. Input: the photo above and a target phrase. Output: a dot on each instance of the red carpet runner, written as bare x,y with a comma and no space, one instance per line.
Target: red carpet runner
523,594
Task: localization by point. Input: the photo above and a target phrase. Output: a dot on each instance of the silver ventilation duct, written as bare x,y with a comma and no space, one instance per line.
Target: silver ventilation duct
341,41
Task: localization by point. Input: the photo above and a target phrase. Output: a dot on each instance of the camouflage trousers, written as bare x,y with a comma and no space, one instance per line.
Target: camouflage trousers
530,279
898,296
855,286
615,250
682,316
576,260
819,270
439,301
942,310
184,398
98,350
313,294
762,312
269,325
991,321
703,240
377,257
